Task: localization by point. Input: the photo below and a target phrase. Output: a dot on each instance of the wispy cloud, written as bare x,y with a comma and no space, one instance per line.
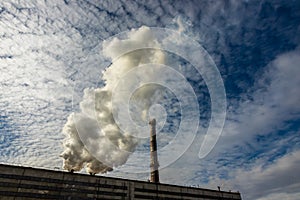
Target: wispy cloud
279,178
271,102
257,132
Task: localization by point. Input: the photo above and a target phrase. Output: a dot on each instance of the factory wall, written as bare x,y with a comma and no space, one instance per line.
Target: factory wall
18,182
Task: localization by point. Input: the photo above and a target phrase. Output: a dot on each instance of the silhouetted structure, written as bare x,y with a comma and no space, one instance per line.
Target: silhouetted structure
154,175
18,182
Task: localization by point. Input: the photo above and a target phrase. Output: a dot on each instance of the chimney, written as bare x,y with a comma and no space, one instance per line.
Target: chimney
153,153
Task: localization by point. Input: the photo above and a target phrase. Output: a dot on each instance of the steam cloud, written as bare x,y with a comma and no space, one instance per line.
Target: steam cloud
94,139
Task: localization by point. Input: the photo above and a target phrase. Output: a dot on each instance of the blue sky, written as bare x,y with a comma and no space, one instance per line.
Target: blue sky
51,51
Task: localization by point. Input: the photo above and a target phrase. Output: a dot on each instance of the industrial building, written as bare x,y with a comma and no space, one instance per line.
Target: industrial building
18,182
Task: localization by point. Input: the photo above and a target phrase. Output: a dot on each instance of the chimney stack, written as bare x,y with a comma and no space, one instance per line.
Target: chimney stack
153,153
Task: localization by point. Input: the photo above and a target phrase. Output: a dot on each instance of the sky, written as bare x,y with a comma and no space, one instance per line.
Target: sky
239,57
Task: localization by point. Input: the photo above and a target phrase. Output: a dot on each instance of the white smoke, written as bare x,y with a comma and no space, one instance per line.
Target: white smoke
94,138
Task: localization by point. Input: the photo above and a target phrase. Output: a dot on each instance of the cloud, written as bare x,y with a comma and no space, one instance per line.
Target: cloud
280,178
283,195
271,103
35,89
265,112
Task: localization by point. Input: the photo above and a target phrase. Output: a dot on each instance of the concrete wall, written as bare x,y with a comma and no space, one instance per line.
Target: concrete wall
29,183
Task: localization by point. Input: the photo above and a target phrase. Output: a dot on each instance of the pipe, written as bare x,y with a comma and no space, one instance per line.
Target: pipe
154,175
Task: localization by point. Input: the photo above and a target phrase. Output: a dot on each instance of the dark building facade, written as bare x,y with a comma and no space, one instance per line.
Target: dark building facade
18,182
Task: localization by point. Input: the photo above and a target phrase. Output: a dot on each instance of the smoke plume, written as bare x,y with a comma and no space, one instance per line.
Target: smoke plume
94,139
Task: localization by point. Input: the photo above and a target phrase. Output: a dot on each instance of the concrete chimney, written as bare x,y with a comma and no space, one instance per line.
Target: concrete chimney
154,176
